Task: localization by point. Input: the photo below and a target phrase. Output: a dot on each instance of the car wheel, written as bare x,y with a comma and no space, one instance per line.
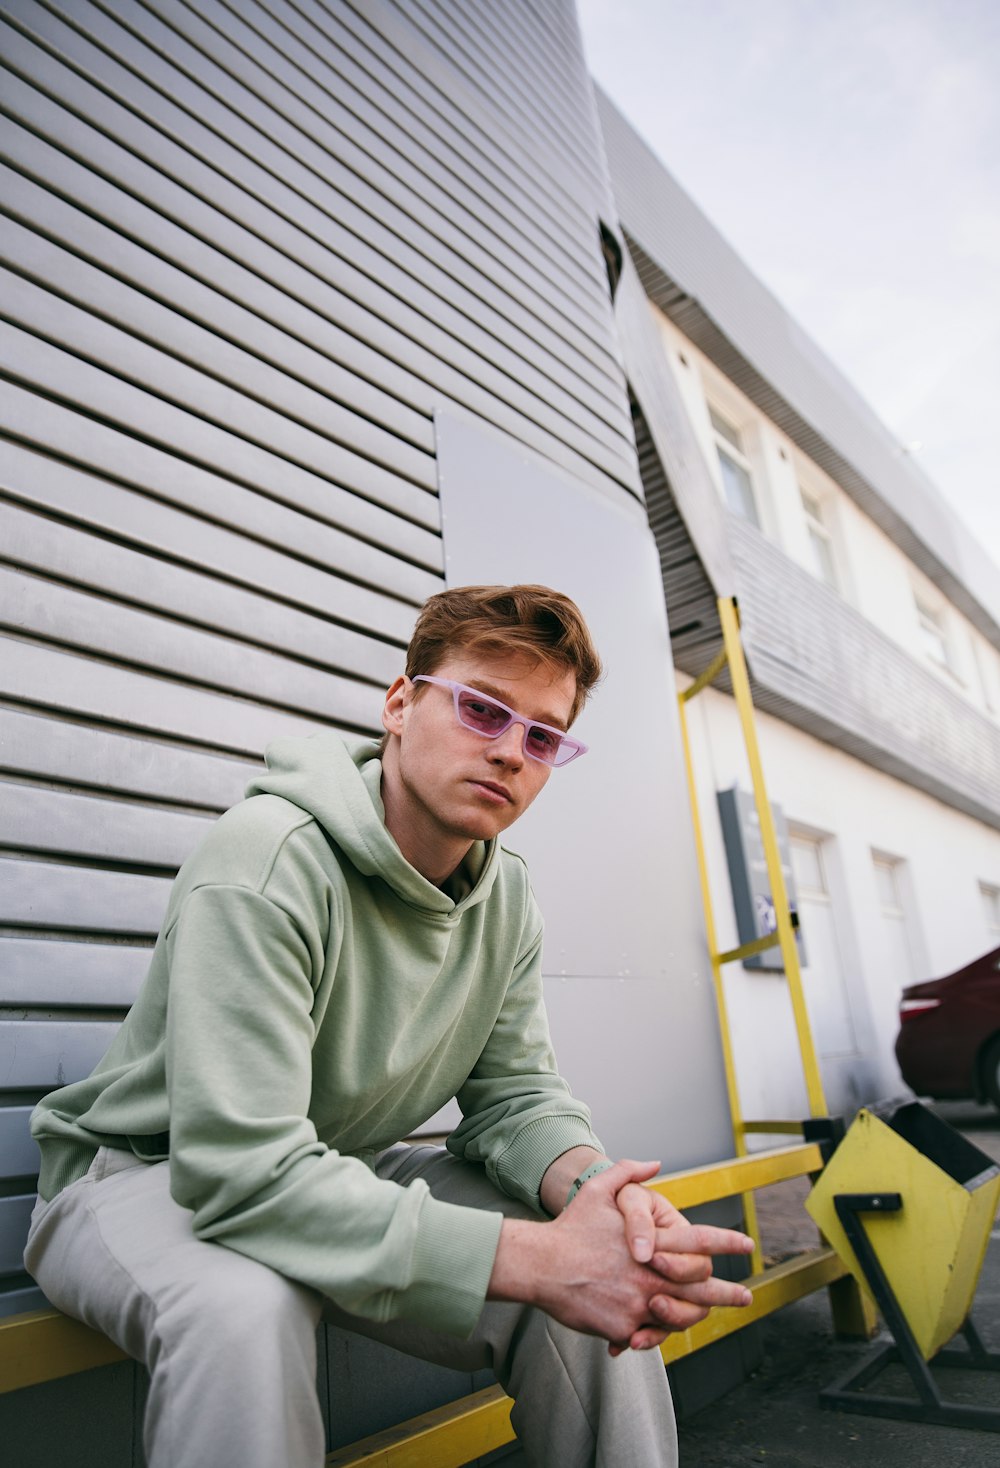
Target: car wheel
991,1071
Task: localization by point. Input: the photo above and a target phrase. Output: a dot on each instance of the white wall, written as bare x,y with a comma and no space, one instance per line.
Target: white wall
609,844
858,813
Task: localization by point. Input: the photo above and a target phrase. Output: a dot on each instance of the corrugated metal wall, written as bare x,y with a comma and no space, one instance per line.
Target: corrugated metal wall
246,250
819,664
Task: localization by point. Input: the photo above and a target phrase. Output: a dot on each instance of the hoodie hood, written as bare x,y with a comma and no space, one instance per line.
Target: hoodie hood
338,781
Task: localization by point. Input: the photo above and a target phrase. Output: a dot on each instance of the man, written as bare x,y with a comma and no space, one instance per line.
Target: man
348,949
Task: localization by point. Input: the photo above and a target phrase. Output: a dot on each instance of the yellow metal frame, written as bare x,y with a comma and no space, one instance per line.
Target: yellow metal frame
43,1345
448,1437
731,657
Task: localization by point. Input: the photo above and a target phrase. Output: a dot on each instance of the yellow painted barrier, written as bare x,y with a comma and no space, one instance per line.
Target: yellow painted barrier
44,1345
931,1251
445,1438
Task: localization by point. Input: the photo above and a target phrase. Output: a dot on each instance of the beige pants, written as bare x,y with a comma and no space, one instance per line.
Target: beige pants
231,1346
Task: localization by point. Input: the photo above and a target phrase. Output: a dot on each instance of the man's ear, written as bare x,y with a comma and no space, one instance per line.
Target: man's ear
395,701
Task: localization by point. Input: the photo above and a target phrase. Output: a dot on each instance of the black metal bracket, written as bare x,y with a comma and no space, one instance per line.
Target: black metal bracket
828,1131
847,1395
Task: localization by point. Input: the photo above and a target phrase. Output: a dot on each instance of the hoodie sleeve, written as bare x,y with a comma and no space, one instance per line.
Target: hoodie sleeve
245,1158
518,1112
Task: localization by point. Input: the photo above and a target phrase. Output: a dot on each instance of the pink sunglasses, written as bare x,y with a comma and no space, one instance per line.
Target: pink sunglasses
487,716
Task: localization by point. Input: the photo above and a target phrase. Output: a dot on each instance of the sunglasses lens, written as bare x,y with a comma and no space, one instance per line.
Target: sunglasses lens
544,744
482,714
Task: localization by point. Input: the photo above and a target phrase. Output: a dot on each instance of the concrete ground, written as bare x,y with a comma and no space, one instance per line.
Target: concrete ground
774,1418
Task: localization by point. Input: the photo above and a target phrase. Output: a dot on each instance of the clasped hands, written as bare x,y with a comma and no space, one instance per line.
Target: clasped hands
619,1262
680,1253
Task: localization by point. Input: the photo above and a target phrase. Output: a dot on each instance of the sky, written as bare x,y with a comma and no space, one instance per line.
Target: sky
849,150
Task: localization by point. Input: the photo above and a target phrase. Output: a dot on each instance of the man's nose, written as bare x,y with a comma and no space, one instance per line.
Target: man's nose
508,747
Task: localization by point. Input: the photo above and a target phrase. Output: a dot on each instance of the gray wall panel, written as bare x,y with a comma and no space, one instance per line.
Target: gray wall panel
439,120
522,119
38,363
18,1149
369,201
65,824
54,973
50,896
319,280
305,543
334,89
94,624
290,392
823,666
143,245
609,842
531,161
330,140
92,562
238,186
14,1215
87,687
117,762
45,1053
528,417
84,334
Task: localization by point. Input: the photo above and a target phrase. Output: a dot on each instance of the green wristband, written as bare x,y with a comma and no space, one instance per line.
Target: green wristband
592,1171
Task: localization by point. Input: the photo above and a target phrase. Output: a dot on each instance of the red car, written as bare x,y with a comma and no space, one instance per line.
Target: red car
949,1037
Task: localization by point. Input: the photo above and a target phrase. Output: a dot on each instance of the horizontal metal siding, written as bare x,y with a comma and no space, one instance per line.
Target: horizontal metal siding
503,61
387,308
818,663
246,251
692,612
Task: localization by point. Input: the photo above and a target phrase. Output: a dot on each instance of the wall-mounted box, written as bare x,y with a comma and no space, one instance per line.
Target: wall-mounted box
751,886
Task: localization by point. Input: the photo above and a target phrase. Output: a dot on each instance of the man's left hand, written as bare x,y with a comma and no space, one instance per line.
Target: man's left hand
659,1235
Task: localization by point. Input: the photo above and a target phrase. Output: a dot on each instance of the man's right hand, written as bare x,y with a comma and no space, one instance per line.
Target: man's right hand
579,1268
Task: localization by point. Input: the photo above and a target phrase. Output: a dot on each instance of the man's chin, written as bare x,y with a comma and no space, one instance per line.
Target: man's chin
484,825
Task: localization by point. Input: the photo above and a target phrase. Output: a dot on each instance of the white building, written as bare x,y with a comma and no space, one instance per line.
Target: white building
870,621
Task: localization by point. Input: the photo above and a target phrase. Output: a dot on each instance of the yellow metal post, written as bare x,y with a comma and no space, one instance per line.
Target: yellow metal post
729,617
729,1065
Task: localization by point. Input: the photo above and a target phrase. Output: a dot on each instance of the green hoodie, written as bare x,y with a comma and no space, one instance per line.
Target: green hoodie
311,1000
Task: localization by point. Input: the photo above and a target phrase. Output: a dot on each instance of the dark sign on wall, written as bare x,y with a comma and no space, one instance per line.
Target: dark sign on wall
752,897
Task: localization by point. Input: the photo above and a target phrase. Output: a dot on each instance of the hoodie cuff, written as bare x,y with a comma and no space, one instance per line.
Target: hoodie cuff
519,1171
450,1267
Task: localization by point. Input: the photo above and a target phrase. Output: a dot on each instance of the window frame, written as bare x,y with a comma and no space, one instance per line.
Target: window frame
820,533
728,438
933,632
990,894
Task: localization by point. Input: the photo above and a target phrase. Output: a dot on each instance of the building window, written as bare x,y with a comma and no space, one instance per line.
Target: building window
991,906
823,970
887,883
737,484
897,955
933,633
821,561
982,662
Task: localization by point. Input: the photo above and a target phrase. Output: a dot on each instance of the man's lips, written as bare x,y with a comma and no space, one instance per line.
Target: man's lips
496,792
